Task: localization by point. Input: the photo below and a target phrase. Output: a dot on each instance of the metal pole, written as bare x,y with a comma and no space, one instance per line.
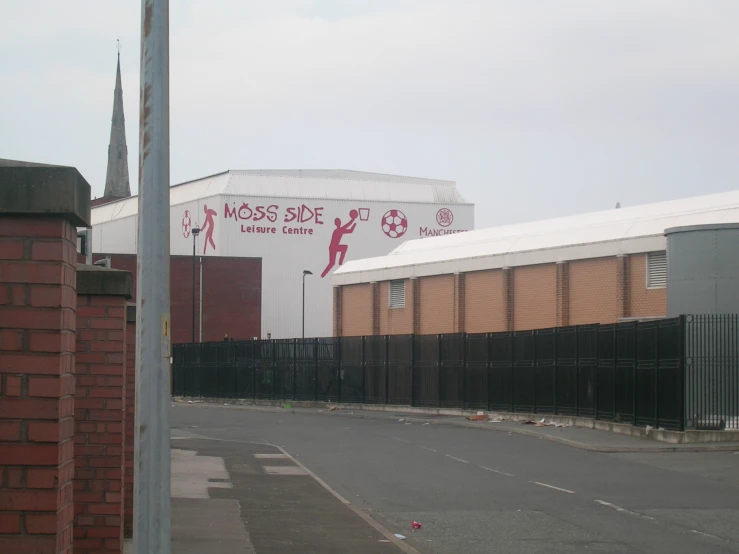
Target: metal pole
200,310
303,306
152,511
194,234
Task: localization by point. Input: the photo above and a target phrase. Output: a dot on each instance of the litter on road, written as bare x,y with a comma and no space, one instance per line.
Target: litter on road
415,525
401,537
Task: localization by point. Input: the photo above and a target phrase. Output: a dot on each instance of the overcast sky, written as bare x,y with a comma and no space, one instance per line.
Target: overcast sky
536,108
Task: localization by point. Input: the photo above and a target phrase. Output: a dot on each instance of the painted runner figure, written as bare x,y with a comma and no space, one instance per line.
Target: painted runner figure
209,225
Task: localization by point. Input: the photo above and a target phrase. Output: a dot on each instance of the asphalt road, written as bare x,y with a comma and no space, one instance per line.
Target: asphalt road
478,491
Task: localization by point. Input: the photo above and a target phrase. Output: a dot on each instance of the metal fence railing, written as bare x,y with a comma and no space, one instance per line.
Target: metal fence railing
668,373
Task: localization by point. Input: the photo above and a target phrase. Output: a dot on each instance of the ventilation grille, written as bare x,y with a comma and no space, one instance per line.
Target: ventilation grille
397,294
656,270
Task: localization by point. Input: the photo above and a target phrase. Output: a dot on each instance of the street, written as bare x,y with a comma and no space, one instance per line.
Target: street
482,491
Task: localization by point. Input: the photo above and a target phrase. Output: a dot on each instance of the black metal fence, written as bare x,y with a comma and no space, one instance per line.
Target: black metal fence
631,372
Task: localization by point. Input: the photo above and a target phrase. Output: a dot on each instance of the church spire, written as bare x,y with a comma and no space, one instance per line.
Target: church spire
116,180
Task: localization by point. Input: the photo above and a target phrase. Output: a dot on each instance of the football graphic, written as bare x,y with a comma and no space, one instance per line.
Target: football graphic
394,224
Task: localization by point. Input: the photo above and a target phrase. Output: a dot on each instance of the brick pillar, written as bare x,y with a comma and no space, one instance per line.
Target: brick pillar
40,208
102,297
375,308
338,311
129,418
563,294
414,293
508,297
623,286
459,303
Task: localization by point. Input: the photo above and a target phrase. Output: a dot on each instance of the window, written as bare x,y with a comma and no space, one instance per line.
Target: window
656,270
397,294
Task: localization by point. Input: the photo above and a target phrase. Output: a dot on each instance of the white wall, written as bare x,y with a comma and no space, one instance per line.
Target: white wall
285,255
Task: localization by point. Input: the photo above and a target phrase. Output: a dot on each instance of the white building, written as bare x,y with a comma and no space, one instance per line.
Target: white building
294,220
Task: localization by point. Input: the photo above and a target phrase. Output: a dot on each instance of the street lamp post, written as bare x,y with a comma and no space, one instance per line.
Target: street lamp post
195,233
305,274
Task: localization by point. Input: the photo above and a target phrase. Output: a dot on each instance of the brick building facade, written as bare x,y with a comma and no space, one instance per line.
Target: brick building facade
601,290
231,295
600,267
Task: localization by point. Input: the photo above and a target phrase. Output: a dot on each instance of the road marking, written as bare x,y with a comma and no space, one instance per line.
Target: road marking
457,459
496,471
705,534
284,470
623,510
400,440
270,456
427,448
553,487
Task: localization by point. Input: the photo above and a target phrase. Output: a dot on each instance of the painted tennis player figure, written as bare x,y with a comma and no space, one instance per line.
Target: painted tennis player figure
209,225
336,248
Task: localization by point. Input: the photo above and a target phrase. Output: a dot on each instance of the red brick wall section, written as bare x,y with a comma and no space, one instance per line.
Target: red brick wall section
99,409
37,325
129,421
356,310
395,321
644,302
534,297
232,295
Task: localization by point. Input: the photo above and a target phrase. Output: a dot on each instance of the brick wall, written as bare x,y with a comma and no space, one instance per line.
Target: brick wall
99,409
644,302
129,419
232,295
357,301
593,291
395,321
437,304
534,297
37,325
485,309
530,297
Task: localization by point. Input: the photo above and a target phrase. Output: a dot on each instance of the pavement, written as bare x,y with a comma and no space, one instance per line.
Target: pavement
342,482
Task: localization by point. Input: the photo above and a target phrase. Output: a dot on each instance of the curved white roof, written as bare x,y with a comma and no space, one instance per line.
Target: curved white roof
329,184
598,234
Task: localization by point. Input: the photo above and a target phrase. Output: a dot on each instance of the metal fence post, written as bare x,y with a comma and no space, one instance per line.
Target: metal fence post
536,369
254,345
597,370
338,368
364,369
413,366
556,372
513,371
440,365
387,369
681,375
295,367
615,371
464,370
656,375
577,371
273,369
235,365
633,371
315,364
